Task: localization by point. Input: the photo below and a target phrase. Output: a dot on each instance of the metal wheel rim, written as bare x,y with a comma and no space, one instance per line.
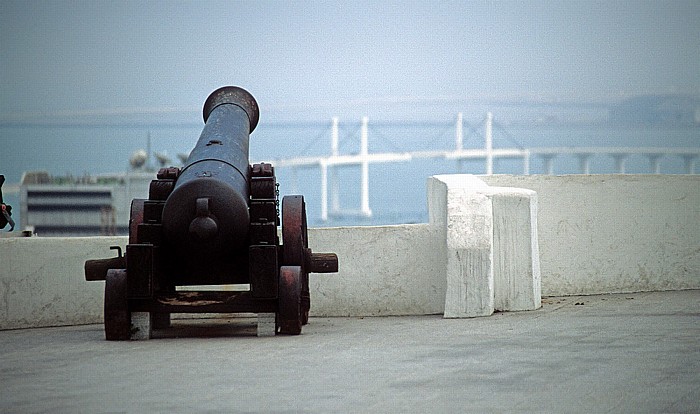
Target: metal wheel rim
295,244
294,230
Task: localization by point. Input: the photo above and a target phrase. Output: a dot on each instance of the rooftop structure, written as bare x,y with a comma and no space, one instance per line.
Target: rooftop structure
80,206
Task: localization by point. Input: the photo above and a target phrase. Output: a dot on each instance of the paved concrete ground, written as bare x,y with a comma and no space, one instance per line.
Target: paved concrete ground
613,353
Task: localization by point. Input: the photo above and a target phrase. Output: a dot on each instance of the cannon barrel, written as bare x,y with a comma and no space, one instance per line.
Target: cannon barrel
207,211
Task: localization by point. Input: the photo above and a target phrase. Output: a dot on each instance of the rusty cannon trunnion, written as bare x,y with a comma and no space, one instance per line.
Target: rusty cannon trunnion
213,222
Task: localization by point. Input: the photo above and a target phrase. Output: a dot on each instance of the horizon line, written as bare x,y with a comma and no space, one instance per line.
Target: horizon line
602,101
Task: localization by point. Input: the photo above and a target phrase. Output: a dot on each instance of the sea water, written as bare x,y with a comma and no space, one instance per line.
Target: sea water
397,191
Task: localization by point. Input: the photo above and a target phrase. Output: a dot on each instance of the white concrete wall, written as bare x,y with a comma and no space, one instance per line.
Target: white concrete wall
42,282
615,233
388,270
597,234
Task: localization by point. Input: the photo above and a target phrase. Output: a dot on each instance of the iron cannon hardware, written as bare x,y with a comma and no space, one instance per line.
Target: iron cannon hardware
213,222
5,210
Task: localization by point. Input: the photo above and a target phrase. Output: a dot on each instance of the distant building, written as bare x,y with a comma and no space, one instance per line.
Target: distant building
80,206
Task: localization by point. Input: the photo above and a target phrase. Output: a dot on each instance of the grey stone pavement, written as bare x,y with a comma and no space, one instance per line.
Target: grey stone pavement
631,353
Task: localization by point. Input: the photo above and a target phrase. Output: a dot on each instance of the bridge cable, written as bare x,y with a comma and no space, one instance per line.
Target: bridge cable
509,136
391,143
448,127
473,130
314,141
348,136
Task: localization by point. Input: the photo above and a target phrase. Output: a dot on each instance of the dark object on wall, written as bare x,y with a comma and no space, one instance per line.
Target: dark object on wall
6,212
213,222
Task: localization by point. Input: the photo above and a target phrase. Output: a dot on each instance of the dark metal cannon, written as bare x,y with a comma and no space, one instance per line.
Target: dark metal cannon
213,222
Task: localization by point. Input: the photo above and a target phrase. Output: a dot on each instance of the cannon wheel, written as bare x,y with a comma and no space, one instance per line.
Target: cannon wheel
290,312
116,311
295,245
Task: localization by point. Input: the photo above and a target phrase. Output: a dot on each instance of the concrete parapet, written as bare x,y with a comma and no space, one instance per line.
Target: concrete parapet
596,234
383,270
615,233
42,281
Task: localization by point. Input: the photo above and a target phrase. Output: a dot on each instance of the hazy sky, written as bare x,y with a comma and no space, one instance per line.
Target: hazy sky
112,56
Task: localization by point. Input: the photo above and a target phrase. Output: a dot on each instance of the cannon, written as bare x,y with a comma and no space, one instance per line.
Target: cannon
213,222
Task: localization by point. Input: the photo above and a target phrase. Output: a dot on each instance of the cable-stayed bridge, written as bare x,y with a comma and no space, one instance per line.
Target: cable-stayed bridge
452,136
329,163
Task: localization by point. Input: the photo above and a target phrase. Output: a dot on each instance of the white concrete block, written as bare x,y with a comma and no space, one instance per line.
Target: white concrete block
469,283
490,233
141,326
266,324
469,254
467,220
516,252
437,193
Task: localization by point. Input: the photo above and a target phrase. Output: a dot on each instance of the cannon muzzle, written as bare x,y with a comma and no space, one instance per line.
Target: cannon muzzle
235,96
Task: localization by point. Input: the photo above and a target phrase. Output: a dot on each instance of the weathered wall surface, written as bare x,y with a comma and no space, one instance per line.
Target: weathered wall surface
615,233
597,234
388,270
42,282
